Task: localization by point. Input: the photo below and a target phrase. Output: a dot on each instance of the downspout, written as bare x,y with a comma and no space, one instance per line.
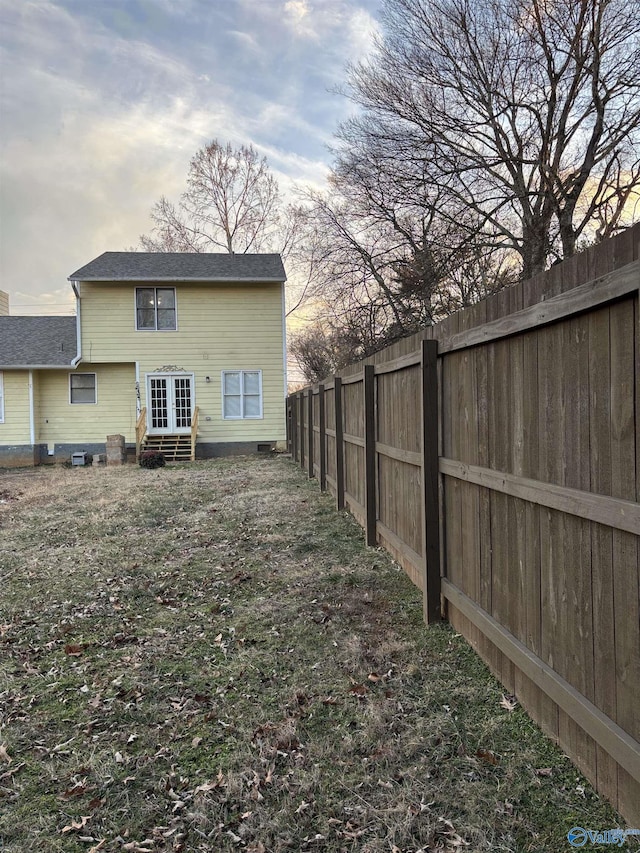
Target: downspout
32,420
76,361
284,343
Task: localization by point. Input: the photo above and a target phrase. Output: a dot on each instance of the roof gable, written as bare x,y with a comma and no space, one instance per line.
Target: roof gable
37,341
181,266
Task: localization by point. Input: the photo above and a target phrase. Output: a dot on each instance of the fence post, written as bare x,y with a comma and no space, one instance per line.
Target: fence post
294,426
323,440
310,435
370,453
301,409
337,396
431,523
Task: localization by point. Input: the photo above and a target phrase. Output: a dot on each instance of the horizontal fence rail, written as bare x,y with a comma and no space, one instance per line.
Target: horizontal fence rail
496,456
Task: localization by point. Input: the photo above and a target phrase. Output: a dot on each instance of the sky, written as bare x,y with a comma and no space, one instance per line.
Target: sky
104,102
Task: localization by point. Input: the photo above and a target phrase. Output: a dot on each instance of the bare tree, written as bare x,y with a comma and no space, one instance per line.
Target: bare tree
231,204
386,267
525,113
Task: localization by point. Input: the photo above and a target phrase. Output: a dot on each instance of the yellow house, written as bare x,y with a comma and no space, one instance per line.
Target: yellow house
183,352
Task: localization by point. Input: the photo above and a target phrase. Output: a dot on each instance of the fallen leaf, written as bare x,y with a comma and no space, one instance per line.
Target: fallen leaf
544,771
76,824
510,703
9,773
453,839
488,756
302,807
4,755
358,689
218,782
118,757
196,741
75,791
73,649
373,676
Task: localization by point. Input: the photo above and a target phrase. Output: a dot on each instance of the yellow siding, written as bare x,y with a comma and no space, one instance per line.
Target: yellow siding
58,421
16,427
220,327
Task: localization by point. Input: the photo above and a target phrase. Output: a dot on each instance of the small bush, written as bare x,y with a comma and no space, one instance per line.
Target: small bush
152,459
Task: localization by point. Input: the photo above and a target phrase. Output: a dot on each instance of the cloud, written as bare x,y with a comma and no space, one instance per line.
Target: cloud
104,104
246,41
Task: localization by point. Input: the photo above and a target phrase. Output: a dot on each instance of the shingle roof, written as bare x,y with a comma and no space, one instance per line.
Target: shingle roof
181,266
37,341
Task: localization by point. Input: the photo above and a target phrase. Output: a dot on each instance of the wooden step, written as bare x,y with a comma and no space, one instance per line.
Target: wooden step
174,448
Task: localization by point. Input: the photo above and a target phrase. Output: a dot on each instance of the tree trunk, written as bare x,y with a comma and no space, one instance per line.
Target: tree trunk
567,232
535,242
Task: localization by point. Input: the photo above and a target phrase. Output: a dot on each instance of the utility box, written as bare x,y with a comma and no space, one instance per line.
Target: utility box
79,458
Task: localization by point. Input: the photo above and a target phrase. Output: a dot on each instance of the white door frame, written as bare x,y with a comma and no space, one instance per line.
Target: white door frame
164,420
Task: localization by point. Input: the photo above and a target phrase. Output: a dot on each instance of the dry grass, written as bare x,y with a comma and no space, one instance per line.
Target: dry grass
207,658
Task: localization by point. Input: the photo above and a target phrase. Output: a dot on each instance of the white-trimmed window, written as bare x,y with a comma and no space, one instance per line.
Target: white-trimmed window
1,397
241,394
156,309
82,388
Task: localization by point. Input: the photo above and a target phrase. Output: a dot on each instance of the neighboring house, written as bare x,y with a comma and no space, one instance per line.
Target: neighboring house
184,350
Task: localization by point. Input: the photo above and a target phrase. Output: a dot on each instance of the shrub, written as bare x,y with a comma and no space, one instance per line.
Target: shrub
152,459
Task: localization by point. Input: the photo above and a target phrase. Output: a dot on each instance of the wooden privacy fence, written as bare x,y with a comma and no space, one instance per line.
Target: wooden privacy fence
496,456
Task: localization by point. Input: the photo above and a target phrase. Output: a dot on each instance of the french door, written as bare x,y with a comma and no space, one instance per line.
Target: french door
169,403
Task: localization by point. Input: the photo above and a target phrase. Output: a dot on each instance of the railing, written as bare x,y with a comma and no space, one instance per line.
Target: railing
141,428
194,433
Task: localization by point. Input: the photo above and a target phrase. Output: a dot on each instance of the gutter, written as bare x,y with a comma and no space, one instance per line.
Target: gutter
76,361
230,279
37,366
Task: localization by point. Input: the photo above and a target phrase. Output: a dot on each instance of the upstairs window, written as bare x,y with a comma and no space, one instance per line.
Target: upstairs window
156,309
241,394
82,388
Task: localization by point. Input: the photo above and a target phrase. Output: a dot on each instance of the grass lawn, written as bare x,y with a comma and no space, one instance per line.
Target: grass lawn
208,658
